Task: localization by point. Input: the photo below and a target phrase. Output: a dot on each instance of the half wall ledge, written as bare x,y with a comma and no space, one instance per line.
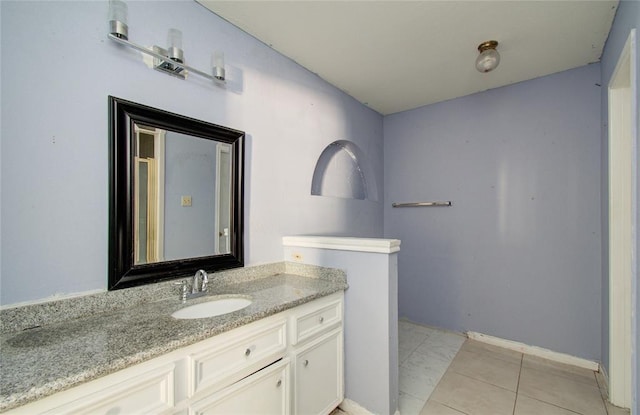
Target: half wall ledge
382,246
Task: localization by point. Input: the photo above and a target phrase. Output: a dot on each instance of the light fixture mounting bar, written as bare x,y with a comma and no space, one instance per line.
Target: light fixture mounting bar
167,65
162,62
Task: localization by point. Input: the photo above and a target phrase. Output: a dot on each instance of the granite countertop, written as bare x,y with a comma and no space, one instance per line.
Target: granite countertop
39,362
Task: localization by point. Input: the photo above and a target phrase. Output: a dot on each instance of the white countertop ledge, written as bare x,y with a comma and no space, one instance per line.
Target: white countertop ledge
342,243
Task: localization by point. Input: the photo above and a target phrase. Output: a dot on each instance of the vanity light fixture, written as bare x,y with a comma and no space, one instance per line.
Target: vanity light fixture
169,60
489,57
217,63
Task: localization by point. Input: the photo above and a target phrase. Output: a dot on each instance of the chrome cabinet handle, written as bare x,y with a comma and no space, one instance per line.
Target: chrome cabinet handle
321,320
279,383
247,352
306,363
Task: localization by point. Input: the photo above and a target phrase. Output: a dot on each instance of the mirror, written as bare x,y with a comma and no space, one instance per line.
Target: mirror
175,195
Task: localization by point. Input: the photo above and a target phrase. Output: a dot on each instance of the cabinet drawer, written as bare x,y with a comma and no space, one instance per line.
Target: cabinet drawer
238,357
316,320
149,393
264,392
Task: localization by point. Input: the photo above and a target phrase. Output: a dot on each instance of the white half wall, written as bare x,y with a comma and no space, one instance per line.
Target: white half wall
371,312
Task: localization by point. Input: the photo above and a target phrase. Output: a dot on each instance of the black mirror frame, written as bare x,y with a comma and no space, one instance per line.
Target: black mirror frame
122,271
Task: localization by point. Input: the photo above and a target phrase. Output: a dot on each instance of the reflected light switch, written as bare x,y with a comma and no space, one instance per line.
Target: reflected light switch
185,201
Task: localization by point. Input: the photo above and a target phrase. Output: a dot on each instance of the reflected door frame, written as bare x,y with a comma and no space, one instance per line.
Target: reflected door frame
222,196
156,208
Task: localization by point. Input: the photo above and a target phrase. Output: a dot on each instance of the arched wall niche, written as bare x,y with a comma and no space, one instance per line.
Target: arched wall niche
342,170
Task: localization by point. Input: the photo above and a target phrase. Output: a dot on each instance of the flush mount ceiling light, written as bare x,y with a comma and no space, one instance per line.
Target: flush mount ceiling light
169,60
489,57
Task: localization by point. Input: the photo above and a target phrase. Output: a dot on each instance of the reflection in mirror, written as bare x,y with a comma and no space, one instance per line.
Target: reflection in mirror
175,195
223,197
182,194
149,194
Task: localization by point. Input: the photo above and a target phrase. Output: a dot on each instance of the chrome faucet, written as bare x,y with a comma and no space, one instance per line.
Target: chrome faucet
205,281
195,292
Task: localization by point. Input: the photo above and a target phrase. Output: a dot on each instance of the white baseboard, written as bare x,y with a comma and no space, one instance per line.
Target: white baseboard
354,408
535,351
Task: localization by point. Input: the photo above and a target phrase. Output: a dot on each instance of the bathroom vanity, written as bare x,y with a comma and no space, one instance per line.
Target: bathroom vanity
283,354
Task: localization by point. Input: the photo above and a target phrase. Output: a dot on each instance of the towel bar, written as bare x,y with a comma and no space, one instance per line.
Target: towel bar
421,204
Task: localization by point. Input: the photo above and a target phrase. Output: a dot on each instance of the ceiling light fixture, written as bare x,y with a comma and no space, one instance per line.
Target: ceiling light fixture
489,57
169,60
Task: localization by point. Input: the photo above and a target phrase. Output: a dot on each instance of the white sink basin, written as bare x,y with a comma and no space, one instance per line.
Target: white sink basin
212,308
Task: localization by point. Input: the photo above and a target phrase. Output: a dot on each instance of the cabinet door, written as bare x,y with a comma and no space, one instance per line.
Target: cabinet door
265,392
318,376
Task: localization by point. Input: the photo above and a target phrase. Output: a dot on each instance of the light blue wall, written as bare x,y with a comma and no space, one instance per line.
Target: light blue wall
507,264
57,69
190,170
518,254
627,18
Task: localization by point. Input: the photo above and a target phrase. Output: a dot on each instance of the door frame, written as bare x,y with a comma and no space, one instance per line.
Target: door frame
622,171
157,210
219,230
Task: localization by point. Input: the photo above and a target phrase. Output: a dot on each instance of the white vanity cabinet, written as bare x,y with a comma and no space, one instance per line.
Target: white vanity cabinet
288,363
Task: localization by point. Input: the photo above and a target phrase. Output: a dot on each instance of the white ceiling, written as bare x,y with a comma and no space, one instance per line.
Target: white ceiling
398,55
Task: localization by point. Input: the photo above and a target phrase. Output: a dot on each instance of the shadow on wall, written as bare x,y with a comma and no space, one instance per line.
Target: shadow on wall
344,171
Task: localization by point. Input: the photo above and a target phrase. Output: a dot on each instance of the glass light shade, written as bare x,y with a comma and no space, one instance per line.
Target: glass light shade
118,11
488,60
217,65
118,19
217,59
174,40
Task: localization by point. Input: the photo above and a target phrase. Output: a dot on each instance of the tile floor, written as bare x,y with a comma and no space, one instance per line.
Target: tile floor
443,373
424,355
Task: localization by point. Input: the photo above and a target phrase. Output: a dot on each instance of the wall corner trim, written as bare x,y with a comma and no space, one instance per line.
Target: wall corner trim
535,351
377,245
